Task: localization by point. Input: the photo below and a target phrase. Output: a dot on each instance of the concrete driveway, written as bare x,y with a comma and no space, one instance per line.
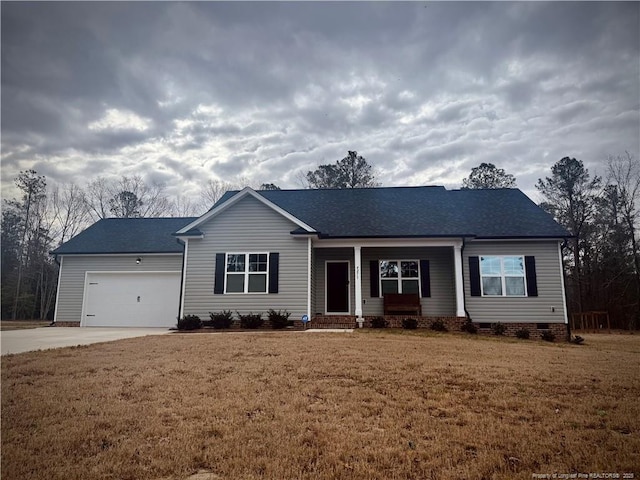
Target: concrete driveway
28,340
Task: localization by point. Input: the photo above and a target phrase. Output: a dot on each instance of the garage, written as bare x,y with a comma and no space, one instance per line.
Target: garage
131,299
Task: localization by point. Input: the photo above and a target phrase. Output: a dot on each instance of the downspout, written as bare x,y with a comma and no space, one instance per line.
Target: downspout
55,311
182,270
564,288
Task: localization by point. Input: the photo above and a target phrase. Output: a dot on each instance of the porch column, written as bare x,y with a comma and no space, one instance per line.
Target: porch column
357,260
457,263
309,279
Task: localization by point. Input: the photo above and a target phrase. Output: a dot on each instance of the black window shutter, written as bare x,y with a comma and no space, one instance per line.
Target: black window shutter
425,278
218,285
474,276
274,267
374,273
532,281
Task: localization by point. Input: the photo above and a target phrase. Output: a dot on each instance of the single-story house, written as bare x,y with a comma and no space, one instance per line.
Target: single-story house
330,255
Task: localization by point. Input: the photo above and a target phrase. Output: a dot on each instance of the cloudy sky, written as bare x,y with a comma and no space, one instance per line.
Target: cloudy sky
184,92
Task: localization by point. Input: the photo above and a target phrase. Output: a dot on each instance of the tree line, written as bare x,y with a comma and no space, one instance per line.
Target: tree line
42,218
602,258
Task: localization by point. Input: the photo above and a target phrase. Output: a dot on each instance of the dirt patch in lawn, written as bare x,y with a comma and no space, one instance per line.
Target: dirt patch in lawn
371,405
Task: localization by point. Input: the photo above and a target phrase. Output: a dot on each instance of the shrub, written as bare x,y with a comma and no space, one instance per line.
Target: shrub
522,333
278,319
410,323
548,336
379,322
222,319
189,322
250,320
577,340
469,327
498,328
439,326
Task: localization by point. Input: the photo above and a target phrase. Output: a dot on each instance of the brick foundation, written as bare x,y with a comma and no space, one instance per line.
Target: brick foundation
453,324
66,324
559,330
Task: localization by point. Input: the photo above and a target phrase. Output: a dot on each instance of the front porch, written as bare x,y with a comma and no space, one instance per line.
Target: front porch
349,282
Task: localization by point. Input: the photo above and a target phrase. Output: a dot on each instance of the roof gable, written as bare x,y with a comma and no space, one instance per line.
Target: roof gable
231,200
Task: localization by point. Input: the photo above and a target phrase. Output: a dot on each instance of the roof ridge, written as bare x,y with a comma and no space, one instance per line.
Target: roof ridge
396,187
149,218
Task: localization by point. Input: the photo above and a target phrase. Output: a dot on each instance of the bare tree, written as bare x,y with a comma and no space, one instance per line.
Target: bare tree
213,190
105,198
97,196
623,172
302,180
69,212
185,207
152,197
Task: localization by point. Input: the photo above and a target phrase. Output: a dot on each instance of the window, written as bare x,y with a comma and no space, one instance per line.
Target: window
502,276
399,276
246,272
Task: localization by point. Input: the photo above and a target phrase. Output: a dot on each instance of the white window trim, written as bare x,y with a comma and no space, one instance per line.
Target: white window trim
399,279
246,273
503,276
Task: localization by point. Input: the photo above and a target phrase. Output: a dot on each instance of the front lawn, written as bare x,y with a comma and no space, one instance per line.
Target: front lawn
22,324
291,405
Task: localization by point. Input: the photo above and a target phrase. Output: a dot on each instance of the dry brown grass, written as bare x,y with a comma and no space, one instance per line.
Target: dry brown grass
368,405
22,324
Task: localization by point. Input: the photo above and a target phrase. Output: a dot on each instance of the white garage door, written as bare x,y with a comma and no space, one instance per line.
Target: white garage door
118,299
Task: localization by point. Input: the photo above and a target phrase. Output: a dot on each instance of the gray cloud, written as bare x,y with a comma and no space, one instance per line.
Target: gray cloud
183,92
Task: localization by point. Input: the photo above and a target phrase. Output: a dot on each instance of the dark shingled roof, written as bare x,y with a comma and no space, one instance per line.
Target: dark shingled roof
416,212
365,213
127,235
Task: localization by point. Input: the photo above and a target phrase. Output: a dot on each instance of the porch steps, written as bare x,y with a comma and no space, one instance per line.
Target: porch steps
333,322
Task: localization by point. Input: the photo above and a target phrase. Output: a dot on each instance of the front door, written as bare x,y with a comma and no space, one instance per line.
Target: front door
337,285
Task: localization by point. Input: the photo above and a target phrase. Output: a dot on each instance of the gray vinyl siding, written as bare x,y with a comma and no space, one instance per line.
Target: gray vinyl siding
520,309
441,302
74,267
247,226
443,294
